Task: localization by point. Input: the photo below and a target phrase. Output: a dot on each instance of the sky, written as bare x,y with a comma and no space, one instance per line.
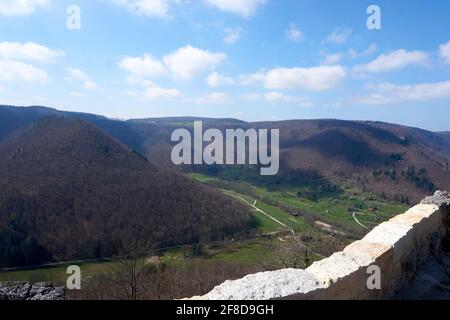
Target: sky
249,59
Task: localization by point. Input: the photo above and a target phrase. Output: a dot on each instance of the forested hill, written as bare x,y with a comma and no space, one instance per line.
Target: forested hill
68,191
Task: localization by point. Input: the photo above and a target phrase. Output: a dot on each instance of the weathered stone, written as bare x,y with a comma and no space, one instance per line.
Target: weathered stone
27,291
368,254
426,220
397,235
14,290
439,198
266,285
339,274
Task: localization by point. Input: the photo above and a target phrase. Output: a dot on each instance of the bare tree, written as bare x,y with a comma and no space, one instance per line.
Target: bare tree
294,253
129,270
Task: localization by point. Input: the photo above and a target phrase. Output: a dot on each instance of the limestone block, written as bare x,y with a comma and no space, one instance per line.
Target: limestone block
400,237
394,234
367,254
425,219
341,275
267,286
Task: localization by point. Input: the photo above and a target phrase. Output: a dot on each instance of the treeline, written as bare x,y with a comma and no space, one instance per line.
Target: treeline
419,178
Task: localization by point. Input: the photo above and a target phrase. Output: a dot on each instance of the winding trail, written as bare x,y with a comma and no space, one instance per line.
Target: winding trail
274,219
354,217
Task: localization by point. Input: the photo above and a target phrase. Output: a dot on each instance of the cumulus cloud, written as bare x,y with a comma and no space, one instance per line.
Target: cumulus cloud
187,62
444,51
21,7
14,54
251,96
315,78
145,66
339,35
393,61
232,35
275,96
294,34
151,91
388,93
155,92
244,8
332,58
28,51
147,8
80,75
212,98
370,50
217,80
11,70
77,94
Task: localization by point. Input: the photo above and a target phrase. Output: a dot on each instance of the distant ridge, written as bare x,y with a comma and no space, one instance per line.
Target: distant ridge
392,160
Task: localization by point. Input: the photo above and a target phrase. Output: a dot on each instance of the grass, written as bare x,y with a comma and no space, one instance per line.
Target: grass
332,209
251,252
202,178
54,274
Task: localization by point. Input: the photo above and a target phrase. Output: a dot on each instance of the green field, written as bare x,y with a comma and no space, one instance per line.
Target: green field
335,209
54,274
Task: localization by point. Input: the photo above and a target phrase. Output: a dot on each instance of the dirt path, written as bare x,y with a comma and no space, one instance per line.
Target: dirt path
354,217
274,219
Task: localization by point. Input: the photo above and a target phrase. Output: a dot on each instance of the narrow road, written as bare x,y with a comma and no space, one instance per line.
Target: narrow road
354,217
259,210
274,219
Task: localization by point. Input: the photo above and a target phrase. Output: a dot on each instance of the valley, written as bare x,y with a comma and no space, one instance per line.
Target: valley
276,216
337,181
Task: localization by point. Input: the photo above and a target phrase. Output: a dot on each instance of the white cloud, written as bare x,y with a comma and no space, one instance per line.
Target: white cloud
156,92
145,66
80,75
388,93
276,96
147,8
152,91
393,61
20,7
367,52
187,62
232,35
28,51
332,58
252,79
217,80
213,98
339,35
77,94
315,78
444,51
11,70
251,96
294,34
244,8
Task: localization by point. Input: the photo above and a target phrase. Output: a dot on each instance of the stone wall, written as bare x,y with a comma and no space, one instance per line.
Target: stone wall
398,247
28,291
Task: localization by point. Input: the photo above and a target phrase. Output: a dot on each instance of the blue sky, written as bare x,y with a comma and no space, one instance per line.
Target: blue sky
250,59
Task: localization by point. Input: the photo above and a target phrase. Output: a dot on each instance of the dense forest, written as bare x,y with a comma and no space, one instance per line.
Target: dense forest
70,191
